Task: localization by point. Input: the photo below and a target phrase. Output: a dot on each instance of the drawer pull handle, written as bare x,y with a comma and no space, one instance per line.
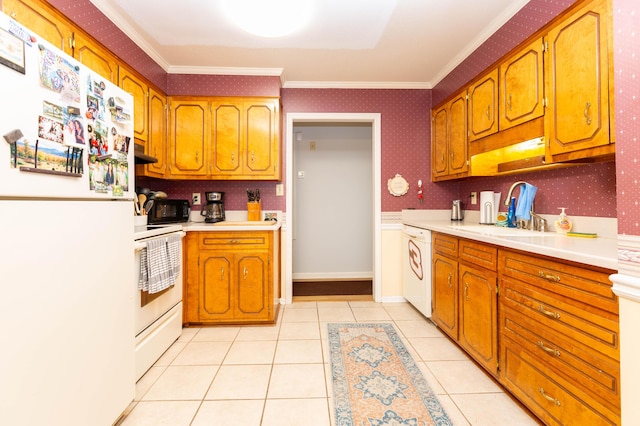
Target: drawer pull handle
222,273
449,281
549,398
543,311
550,351
244,273
488,112
587,117
548,277
466,291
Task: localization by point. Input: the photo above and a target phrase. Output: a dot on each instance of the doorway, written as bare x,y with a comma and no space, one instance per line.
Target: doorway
333,207
300,129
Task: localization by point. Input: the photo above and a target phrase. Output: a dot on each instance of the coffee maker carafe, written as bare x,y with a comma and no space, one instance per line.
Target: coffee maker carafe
213,210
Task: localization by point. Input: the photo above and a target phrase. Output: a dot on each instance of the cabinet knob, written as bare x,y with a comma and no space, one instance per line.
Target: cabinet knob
466,292
244,273
488,112
449,280
509,103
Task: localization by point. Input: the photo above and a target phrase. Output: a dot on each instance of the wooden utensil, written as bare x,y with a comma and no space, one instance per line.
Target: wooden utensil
141,200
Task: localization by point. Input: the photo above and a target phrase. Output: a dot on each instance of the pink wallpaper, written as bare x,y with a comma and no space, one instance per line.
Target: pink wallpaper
90,19
626,22
527,21
222,85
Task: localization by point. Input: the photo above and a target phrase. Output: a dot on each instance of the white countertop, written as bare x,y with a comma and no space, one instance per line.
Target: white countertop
600,251
240,225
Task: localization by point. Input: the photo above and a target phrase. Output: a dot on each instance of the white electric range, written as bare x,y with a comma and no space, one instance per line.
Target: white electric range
158,316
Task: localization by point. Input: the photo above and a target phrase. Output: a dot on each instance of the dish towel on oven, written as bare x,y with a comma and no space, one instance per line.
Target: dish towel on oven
159,264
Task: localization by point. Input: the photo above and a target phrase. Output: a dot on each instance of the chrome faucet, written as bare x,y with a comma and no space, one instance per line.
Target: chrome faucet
537,222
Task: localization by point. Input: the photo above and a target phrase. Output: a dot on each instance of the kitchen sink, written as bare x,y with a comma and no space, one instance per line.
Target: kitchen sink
499,231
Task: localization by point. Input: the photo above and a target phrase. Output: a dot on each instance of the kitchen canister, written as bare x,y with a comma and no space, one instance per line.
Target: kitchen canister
254,210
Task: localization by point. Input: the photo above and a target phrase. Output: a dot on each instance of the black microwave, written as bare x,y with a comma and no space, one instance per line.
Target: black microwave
168,211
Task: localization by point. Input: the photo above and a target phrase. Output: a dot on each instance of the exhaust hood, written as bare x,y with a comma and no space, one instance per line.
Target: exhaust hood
141,157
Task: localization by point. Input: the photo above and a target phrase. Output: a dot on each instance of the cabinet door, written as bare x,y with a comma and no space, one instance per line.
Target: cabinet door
252,286
216,286
96,57
458,148
227,138
188,138
38,17
439,154
445,294
483,107
478,316
157,142
577,78
140,91
521,91
261,156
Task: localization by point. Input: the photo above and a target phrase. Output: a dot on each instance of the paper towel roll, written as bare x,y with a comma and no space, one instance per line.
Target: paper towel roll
488,210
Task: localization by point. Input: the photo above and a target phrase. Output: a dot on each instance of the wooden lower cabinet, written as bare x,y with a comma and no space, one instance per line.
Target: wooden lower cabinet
559,342
231,277
464,296
547,329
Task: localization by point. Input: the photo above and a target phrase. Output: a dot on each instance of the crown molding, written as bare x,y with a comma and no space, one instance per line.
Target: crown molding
115,17
355,85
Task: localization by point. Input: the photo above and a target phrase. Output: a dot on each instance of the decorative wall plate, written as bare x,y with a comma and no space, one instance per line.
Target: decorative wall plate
397,186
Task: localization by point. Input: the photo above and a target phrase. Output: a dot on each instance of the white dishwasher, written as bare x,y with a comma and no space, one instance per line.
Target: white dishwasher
416,267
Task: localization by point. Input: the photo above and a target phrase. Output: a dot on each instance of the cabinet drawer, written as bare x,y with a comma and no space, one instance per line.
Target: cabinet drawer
591,287
592,372
233,240
596,330
549,396
478,254
444,244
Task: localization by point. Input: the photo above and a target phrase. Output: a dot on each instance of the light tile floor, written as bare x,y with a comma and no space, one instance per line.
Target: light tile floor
280,374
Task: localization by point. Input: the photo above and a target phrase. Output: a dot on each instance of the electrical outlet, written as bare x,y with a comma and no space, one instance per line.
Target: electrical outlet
474,198
195,199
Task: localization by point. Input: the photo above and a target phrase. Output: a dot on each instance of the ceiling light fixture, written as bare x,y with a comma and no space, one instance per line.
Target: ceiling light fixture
269,18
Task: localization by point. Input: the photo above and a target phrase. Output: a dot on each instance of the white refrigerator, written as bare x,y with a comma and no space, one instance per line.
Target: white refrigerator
66,238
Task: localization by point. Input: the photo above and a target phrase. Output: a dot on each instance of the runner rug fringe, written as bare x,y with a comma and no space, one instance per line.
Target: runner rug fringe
375,380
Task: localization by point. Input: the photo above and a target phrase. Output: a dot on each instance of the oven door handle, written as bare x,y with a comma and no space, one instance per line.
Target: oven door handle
139,245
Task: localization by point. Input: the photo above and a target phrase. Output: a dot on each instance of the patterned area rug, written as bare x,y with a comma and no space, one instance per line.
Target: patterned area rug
375,380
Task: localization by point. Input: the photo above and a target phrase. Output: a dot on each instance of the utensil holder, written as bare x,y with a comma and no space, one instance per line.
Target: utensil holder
254,210
140,220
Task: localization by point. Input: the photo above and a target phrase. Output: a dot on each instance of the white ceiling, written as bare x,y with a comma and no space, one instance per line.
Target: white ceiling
348,43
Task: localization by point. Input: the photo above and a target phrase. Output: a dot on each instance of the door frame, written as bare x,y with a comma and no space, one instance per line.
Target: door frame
376,140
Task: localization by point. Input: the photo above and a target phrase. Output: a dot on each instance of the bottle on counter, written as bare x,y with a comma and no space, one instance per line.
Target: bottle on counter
511,214
563,224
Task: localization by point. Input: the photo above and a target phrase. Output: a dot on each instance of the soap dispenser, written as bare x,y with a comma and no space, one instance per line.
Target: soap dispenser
563,224
511,213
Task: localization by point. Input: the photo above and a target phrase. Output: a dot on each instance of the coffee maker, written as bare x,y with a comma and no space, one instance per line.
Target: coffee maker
213,210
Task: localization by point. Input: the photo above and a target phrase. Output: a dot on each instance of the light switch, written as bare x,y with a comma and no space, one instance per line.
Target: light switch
279,189
300,174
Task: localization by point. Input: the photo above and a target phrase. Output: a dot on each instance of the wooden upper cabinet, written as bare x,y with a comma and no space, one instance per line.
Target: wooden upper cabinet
189,138
157,141
227,138
261,157
38,17
483,106
577,80
94,56
449,140
246,139
131,83
521,91
439,143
